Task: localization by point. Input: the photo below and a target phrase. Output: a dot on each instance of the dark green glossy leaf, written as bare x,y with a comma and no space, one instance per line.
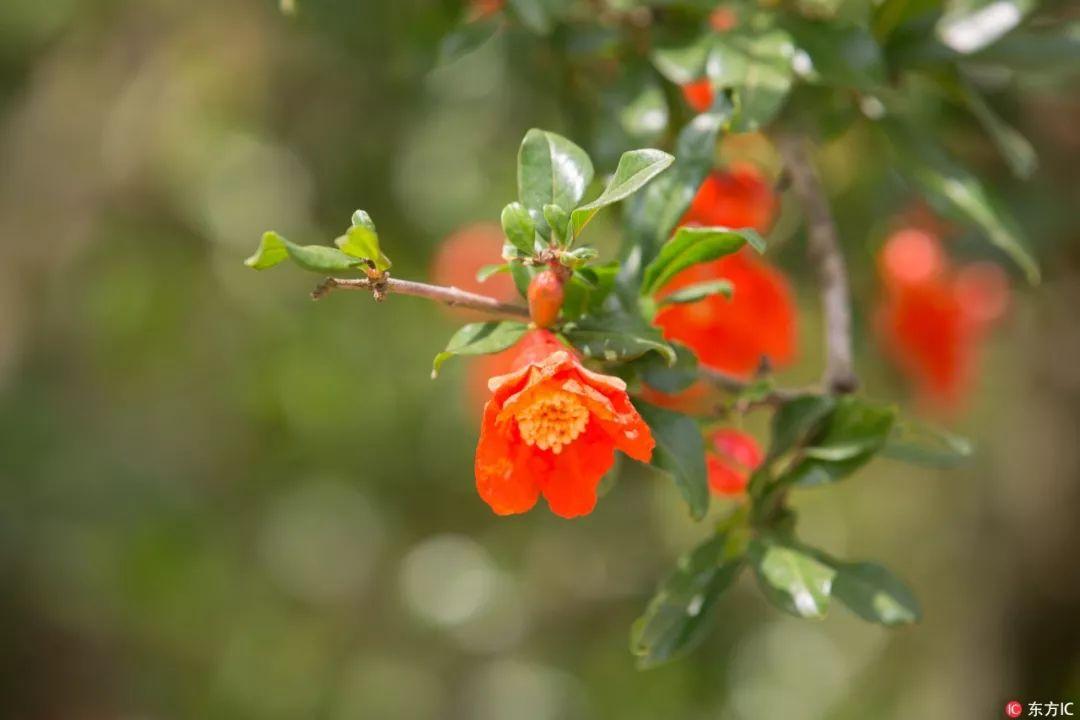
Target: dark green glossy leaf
852,434
875,594
558,220
522,276
970,25
636,168
551,171
681,613
699,291
617,338
273,249
792,578
679,453
657,374
797,420
480,339
519,228
587,290
693,245
957,190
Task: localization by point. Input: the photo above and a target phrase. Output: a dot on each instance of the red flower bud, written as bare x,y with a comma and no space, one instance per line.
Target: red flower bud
545,298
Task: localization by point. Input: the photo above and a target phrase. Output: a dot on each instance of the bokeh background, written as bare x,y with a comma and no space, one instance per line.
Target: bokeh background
220,500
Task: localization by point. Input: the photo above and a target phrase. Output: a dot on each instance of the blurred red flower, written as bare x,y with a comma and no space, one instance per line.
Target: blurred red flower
551,428
461,255
740,197
932,318
699,94
733,335
735,456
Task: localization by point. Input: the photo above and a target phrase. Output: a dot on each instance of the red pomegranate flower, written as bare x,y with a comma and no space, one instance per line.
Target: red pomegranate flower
552,427
733,335
699,94
932,318
737,455
740,197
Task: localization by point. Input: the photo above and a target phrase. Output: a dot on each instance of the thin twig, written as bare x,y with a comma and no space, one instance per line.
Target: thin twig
447,295
734,385
823,246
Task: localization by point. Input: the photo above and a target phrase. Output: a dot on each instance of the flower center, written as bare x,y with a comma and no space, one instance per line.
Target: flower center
552,422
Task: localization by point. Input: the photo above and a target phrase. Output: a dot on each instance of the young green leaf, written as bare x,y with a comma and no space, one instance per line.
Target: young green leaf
699,291
636,168
361,241
875,594
681,613
791,577
273,249
480,339
551,171
679,453
519,228
559,221
693,245
489,271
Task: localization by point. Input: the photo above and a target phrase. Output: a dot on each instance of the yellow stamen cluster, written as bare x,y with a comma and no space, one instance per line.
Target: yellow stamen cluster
552,422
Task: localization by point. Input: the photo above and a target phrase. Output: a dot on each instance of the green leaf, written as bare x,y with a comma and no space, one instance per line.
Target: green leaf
956,189
699,291
840,55
683,63
693,245
792,578
273,249
558,220
519,228
1019,154
657,374
467,38
489,271
681,613
362,241
533,14
680,454
796,420
759,67
875,594
588,288
922,444
853,433
480,339
523,275
968,26
551,171
617,338
654,213
636,168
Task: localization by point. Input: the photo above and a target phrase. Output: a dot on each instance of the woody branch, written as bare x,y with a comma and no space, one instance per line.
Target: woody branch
447,295
823,247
